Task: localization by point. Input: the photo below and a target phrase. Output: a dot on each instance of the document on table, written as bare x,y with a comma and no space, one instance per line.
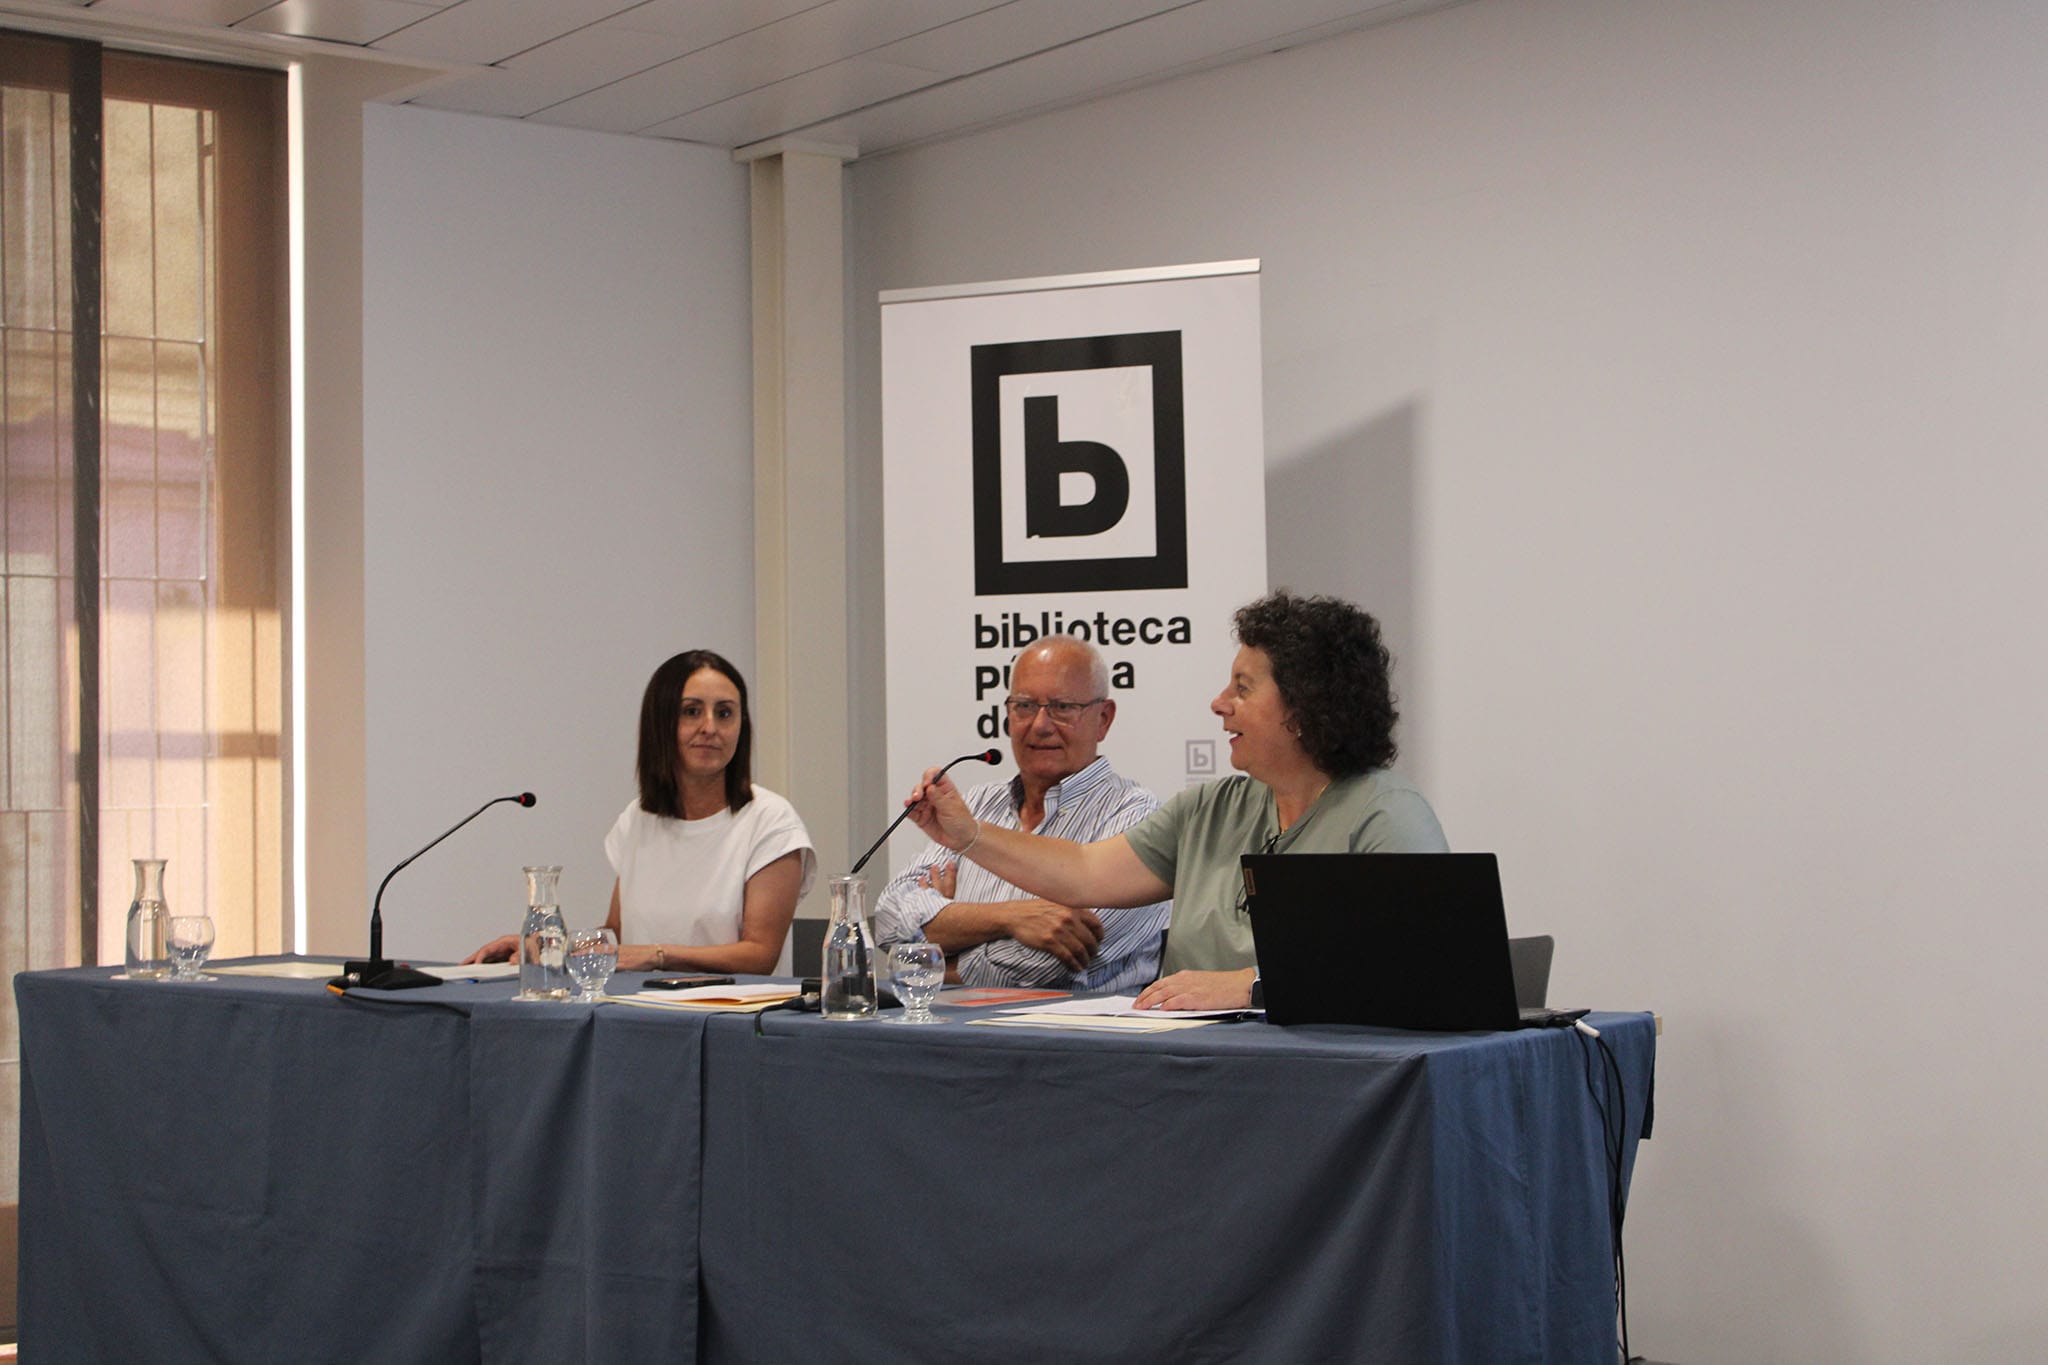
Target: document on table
320,971
977,996
738,999
1108,1014
294,971
477,971
1124,1006
1092,1023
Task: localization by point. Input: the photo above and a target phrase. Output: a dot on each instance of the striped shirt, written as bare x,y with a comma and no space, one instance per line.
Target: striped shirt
1092,804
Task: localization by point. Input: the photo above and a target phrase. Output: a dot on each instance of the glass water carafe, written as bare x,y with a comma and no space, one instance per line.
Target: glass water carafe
149,922
848,985
543,939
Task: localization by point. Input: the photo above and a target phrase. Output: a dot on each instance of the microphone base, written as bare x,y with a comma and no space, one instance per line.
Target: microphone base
382,974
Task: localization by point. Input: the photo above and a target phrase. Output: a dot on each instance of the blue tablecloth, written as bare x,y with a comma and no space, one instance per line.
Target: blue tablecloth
259,1170
1238,1192
247,1170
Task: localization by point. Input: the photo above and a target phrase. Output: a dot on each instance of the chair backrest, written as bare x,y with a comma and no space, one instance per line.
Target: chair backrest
806,946
1530,958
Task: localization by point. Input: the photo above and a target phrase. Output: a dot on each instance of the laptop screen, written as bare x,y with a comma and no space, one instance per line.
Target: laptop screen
1401,940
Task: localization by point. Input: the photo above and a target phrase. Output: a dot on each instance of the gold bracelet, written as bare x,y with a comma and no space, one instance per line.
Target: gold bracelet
660,958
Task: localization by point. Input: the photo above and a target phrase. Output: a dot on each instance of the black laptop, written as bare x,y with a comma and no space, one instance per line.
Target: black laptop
1400,940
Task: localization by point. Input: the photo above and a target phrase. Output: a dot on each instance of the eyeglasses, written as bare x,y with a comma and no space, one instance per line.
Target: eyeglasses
1244,887
1026,709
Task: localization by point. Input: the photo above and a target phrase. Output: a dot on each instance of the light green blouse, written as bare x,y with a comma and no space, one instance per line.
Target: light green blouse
1193,842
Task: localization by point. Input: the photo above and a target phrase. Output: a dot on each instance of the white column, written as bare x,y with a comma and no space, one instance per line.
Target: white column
800,701
330,807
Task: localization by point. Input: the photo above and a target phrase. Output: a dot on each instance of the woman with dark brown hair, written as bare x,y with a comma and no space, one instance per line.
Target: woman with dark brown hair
710,866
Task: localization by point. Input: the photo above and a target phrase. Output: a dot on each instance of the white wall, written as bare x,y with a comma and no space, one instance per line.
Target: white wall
1669,376
558,490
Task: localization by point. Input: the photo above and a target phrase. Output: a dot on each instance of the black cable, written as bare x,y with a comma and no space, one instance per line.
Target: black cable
407,1002
1618,1198
1613,1143
1600,1107
805,1003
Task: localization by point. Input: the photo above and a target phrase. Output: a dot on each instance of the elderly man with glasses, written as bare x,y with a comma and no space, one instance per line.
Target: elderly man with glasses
995,934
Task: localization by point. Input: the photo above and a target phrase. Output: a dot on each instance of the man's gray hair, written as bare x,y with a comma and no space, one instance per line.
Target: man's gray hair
1098,670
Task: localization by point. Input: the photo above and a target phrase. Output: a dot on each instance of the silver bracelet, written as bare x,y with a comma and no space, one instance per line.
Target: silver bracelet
972,842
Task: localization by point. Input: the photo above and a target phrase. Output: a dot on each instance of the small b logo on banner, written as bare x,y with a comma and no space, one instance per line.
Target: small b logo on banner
1080,480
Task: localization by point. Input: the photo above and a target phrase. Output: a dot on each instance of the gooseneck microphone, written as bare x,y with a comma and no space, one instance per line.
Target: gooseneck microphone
377,971
985,756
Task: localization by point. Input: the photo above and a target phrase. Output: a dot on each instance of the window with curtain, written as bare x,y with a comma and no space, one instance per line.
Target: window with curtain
143,377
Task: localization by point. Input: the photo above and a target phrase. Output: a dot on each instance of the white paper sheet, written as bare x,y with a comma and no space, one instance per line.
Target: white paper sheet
1111,1006
292,971
1095,1023
738,998
477,971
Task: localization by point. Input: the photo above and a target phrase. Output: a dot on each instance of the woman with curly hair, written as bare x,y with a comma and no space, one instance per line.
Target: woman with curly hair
1310,714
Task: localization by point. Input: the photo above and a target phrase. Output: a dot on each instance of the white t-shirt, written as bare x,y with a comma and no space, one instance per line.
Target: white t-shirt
685,881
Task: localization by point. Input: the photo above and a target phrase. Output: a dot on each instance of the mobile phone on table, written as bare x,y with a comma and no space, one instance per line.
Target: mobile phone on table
683,983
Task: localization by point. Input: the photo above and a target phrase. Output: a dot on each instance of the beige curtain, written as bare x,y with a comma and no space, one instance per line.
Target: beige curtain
181,702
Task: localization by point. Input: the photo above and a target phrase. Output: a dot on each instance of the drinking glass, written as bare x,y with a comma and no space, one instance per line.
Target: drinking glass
190,941
593,957
918,970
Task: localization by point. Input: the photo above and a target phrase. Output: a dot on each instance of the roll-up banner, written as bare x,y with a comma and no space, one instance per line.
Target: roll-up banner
1081,454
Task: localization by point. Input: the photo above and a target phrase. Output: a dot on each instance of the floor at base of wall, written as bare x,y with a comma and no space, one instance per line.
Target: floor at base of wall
10,1249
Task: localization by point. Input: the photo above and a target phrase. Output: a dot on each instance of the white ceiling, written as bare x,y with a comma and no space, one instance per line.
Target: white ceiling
872,75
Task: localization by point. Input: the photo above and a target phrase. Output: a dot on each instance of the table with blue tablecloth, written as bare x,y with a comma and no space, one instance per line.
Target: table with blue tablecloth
256,1169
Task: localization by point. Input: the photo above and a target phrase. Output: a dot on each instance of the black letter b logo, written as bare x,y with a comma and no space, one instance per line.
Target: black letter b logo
1121,529
1047,458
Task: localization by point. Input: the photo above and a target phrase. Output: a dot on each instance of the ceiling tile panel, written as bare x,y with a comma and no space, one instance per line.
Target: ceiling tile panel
489,90
339,21
1187,38
847,28
218,13
1014,30
700,23
817,37
486,31
773,109
548,75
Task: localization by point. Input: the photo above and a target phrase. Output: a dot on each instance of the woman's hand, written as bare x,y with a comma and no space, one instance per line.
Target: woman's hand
638,957
1199,991
937,808
497,950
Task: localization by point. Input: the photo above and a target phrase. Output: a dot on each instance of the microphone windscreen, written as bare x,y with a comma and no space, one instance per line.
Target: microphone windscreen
526,798
992,756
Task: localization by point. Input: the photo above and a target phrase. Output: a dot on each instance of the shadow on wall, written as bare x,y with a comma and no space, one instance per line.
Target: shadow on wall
1340,519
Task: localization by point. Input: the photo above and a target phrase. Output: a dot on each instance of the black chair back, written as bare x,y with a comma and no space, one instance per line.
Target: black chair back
1530,958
